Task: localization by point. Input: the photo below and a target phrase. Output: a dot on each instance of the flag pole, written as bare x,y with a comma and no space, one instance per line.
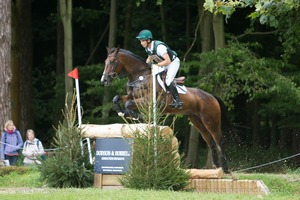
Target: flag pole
74,74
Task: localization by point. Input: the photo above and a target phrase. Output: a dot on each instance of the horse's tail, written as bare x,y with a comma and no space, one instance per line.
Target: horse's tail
226,124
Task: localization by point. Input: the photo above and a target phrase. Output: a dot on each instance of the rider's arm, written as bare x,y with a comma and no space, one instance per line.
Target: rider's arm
163,52
166,60
149,59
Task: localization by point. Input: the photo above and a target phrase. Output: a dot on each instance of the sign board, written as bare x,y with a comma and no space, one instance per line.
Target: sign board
113,155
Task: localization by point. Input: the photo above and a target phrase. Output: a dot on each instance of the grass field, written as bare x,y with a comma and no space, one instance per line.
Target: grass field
28,186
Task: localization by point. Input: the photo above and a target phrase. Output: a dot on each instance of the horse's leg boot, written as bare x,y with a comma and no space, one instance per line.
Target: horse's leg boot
177,103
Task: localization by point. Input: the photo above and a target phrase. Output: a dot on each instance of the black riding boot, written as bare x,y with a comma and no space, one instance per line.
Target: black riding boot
176,102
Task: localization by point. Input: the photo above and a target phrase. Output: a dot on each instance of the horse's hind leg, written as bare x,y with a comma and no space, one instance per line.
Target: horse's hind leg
207,138
224,160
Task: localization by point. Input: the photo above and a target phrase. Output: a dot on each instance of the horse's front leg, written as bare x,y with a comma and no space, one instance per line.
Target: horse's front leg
116,101
131,106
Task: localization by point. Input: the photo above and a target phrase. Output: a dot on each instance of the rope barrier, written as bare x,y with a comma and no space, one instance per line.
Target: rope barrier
23,148
241,170
269,163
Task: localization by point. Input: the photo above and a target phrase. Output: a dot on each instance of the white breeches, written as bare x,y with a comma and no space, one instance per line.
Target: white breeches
172,71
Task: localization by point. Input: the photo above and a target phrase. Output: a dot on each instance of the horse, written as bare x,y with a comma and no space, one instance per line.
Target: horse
204,110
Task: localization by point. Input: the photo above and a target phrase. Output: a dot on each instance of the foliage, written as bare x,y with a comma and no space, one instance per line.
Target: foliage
267,11
155,160
69,167
85,16
236,70
289,35
92,95
48,90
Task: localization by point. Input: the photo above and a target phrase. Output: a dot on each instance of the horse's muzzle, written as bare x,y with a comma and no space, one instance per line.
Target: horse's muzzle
105,80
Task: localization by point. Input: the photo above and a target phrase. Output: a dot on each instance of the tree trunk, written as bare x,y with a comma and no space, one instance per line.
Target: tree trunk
15,63
128,17
192,155
273,132
163,23
206,34
283,138
111,43
66,16
59,45
5,61
187,24
206,31
112,24
218,26
22,60
255,124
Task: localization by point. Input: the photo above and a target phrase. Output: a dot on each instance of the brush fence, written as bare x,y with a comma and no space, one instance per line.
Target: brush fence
202,180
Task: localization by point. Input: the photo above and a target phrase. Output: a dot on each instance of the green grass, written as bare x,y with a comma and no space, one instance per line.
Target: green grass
28,186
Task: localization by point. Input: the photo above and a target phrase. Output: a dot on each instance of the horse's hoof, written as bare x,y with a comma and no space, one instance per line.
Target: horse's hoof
121,114
132,118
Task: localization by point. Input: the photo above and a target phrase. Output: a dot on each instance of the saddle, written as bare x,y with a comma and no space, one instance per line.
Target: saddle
178,81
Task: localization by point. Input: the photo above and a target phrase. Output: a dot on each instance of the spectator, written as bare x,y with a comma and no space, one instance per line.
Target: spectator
33,148
11,143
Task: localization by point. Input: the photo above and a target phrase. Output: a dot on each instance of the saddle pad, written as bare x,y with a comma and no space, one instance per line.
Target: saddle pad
180,88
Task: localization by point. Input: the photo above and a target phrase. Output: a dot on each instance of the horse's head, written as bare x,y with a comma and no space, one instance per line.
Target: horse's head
112,66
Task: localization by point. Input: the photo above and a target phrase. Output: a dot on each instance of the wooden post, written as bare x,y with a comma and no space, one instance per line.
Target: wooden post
98,179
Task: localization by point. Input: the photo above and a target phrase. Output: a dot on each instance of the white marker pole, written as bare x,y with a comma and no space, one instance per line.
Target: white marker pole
154,73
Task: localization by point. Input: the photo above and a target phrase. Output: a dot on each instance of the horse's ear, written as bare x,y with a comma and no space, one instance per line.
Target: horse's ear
108,50
118,49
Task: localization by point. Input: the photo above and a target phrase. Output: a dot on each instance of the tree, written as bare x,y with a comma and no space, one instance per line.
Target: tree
5,61
212,37
21,65
112,24
266,11
66,17
111,43
128,18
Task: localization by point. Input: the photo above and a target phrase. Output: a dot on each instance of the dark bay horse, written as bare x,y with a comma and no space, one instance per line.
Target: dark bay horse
203,109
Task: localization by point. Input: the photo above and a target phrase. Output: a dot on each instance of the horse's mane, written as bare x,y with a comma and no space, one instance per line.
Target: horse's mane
131,54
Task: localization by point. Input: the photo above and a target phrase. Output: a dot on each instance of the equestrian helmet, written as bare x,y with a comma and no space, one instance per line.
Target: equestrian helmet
145,35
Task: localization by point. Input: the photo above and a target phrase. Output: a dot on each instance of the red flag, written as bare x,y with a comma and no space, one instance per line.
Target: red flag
74,73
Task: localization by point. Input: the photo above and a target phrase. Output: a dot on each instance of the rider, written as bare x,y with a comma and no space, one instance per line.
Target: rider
163,56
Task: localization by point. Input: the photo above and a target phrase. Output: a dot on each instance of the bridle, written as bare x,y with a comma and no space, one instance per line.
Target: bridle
113,62
113,74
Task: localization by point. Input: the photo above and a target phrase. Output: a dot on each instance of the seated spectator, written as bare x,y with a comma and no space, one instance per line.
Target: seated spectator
32,149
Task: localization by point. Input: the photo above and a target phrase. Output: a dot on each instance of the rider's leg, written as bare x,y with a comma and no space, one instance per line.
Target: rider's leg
177,103
171,73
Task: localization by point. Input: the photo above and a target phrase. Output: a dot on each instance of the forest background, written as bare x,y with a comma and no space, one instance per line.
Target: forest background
248,57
